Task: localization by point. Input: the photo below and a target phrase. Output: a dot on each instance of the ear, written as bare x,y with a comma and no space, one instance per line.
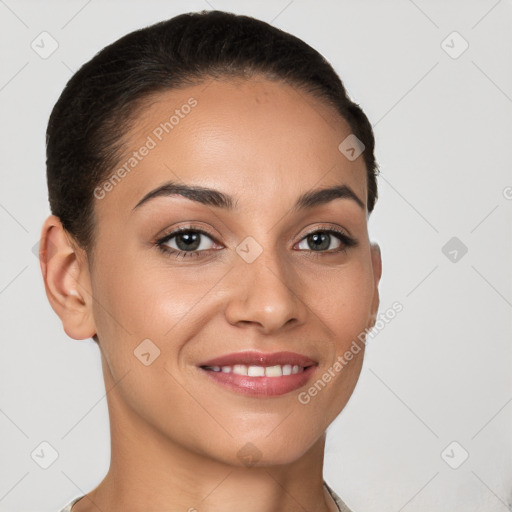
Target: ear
66,279
377,272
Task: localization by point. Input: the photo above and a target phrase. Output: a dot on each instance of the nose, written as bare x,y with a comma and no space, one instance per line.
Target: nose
264,293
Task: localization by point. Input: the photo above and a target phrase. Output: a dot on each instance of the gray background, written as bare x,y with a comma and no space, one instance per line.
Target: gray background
438,373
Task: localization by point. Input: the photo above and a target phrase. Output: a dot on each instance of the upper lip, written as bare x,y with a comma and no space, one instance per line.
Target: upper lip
253,358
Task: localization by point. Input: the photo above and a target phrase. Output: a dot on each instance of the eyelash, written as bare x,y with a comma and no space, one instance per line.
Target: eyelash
346,240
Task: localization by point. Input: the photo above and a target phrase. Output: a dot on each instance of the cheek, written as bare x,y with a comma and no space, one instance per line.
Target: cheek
343,298
142,293
139,296
138,312
343,305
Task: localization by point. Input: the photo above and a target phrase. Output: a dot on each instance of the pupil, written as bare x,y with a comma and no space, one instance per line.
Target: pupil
191,241
315,238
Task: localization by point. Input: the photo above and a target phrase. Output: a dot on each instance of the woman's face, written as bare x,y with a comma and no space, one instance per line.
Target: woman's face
248,275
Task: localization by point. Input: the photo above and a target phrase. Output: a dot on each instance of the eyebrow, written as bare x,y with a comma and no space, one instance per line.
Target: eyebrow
212,197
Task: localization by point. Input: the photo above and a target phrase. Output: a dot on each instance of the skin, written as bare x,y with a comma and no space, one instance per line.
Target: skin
175,433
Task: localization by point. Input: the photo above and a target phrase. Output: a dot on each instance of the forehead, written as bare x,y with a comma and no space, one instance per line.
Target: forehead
241,136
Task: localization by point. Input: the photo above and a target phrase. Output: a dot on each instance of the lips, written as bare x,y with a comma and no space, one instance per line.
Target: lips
260,374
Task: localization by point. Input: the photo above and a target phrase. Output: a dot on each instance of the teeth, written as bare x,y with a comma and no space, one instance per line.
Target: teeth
255,371
240,369
259,371
273,371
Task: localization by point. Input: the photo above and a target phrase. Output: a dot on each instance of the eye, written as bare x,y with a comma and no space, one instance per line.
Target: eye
322,240
190,242
185,242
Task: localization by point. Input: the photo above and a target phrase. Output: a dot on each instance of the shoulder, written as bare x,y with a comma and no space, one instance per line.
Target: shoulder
67,508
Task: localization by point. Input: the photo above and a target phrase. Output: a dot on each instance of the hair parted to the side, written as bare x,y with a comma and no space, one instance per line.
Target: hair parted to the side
84,139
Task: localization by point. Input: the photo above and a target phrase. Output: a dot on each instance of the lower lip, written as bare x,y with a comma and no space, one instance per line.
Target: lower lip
261,386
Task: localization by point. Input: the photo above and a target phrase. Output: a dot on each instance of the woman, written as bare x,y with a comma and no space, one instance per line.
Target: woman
210,184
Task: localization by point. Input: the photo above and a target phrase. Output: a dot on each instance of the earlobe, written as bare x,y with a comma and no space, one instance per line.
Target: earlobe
66,280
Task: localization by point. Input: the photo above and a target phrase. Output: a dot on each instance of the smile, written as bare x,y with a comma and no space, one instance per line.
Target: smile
258,371
259,374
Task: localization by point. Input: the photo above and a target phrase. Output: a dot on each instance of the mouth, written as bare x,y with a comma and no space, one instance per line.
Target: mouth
261,374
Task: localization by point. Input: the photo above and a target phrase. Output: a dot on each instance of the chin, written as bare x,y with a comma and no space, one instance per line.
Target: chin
261,452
